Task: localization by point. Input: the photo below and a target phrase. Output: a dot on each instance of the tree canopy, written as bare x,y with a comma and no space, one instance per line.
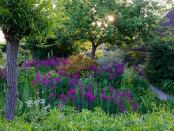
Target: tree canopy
18,19
111,21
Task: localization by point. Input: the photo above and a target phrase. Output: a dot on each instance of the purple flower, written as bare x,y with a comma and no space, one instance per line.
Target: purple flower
72,94
111,90
37,79
122,108
89,96
51,96
104,97
103,91
135,107
61,72
76,76
63,98
73,82
28,64
57,79
34,82
38,76
45,81
89,86
93,68
119,68
128,94
52,62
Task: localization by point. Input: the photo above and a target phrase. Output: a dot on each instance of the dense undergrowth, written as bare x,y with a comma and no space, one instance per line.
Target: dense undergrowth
68,119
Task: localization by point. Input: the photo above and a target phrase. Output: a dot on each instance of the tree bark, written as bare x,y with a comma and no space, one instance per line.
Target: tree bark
94,48
11,77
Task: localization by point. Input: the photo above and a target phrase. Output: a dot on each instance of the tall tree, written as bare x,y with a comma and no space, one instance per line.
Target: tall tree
112,21
138,20
18,18
91,20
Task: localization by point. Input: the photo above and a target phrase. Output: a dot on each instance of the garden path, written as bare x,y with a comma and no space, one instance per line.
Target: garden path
160,94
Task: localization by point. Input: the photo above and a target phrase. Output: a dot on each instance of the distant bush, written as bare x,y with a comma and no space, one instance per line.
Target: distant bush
60,46
23,55
160,65
167,86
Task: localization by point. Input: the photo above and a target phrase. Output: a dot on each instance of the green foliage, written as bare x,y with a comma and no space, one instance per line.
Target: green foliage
89,20
140,89
19,18
35,110
68,119
2,47
25,84
98,120
60,45
167,86
160,65
135,24
2,96
23,55
2,58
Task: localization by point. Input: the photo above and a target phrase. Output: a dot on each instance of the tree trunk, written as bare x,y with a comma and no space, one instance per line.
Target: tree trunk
11,77
94,48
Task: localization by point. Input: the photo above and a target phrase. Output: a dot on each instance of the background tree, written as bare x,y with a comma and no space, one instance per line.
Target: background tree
112,21
55,42
18,18
137,21
91,20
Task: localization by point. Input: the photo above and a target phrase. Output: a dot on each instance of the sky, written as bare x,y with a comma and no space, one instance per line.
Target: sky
2,40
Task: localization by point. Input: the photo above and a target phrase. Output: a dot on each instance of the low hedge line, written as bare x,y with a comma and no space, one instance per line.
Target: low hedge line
97,120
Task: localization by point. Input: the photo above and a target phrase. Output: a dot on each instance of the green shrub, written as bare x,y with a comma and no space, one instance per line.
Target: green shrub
3,47
167,86
98,120
25,87
23,55
140,89
60,46
36,110
2,58
68,119
160,65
